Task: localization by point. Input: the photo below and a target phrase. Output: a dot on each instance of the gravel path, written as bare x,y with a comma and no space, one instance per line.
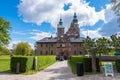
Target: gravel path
57,71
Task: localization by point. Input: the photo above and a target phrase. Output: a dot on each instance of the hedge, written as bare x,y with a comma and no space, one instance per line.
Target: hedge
26,63
87,62
45,61
117,63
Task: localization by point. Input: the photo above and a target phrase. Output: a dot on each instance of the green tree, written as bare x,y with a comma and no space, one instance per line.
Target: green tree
4,32
4,51
102,46
115,42
89,46
116,9
23,48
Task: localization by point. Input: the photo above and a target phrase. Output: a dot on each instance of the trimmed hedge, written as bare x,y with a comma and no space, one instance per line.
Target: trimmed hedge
45,61
117,63
87,62
26,63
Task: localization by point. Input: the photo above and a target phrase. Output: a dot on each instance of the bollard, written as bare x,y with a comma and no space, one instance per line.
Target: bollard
35,63
80,69
18,68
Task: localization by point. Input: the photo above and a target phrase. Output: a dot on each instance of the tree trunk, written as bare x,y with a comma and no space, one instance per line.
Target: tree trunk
93,56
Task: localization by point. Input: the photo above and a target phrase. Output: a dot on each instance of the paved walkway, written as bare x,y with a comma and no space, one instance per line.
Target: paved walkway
57,71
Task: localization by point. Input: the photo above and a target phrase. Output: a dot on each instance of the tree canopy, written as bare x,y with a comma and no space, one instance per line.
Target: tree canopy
23,48
4,32
115,42
102,45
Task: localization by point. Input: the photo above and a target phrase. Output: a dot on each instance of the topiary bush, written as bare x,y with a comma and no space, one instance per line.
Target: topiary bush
117,64
26,63
87,62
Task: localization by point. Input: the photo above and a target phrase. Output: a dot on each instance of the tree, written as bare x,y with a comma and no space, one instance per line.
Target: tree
4,32
115,42
102,45
116,9
4,51
23,48
89,46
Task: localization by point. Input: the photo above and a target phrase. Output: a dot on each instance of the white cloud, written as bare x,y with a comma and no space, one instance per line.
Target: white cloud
92,33
38,11
13,44
109,14
37,35
18,32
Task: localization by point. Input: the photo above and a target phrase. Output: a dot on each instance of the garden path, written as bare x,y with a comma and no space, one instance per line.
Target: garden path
58,71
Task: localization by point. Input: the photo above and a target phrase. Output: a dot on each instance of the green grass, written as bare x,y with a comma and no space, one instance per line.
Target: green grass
4,63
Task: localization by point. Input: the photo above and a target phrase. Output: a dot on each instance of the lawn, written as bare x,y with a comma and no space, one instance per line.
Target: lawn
4,63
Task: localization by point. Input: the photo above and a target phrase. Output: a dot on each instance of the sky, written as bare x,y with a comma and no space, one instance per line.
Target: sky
32,20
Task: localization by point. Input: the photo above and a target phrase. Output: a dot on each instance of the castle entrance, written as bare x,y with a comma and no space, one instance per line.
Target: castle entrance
64,55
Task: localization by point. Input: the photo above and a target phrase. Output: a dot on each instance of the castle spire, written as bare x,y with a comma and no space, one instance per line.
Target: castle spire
75,20
60,24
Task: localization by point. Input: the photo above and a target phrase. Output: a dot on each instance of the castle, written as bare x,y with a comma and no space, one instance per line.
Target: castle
65,44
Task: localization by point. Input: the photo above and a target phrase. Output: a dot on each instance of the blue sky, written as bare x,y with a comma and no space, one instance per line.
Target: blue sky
32,20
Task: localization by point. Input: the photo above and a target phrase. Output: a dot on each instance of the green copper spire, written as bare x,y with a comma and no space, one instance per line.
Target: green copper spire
75,20
60,22
60,25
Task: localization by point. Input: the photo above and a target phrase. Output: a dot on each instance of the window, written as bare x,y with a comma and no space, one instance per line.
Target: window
40,52
74,45
80,52
46,45
60,45
51,52
80,45
46,52
41,45
74,52
51,45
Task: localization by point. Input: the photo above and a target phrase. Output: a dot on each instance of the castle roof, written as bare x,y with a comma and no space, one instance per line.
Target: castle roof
54,39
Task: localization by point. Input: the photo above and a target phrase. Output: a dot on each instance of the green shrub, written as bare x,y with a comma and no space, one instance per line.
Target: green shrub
117,63
87,62
97,65
26,63
45,61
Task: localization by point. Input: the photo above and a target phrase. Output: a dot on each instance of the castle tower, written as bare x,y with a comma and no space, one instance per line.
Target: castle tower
60,29
74,31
